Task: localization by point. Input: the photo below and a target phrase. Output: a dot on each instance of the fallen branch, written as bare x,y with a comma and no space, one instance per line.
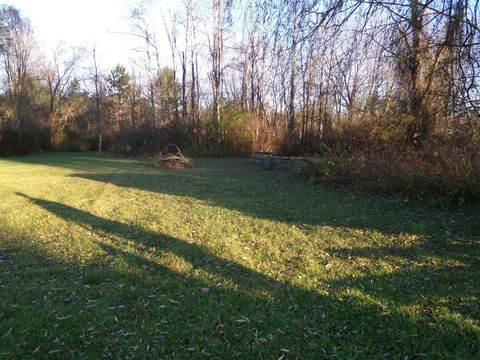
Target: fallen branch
172,160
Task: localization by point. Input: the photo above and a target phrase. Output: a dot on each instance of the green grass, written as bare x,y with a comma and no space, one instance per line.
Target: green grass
110,258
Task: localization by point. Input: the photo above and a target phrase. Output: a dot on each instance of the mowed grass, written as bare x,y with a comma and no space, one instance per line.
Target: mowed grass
110,258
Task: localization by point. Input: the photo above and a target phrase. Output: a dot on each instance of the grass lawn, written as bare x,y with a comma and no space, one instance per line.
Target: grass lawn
109,258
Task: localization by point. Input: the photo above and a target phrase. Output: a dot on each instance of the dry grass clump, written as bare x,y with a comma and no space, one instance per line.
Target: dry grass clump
172,158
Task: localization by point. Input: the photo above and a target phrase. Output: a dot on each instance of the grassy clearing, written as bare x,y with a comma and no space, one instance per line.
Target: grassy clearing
111,258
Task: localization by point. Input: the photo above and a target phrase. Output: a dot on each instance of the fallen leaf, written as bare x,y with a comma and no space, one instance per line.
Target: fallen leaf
261,341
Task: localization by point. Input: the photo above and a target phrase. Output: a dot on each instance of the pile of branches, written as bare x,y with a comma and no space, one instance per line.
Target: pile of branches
172,158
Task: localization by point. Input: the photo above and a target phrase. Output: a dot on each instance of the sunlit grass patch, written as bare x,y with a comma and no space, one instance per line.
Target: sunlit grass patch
112,258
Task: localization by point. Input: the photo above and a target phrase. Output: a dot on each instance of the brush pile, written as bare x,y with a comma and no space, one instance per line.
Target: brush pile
172,158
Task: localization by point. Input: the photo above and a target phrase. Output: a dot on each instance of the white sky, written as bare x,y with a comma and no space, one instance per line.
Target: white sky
85,23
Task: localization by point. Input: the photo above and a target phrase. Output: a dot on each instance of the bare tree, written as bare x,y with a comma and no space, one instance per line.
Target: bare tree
98,94
59,75
16,51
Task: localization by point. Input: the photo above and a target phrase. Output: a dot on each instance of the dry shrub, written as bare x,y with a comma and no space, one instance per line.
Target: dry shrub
434,170
368,135
245,133
172,158
443,170
263,136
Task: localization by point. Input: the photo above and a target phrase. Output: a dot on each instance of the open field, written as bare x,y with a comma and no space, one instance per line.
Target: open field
110,258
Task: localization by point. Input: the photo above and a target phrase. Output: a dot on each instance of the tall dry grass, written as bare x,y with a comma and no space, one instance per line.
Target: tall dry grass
372,160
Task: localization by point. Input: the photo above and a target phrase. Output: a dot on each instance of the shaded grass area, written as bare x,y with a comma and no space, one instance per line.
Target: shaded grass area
111,258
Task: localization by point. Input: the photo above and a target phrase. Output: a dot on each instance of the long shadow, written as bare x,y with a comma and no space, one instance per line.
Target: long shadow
248,315
145,240
284,197
281,196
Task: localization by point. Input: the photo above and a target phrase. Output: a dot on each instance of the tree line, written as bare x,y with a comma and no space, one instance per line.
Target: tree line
244,75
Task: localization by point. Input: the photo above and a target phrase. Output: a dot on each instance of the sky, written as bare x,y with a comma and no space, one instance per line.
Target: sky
102,23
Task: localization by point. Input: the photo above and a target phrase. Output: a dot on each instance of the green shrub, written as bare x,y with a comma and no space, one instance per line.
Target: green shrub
236,134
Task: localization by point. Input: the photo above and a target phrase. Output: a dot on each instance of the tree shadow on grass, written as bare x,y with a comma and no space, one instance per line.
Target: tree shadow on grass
443,273
275,195
243,313
283,197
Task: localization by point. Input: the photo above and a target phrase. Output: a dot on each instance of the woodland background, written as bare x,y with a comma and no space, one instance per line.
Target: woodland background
384,94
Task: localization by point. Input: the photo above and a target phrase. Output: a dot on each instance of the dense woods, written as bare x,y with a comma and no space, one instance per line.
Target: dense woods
387,92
